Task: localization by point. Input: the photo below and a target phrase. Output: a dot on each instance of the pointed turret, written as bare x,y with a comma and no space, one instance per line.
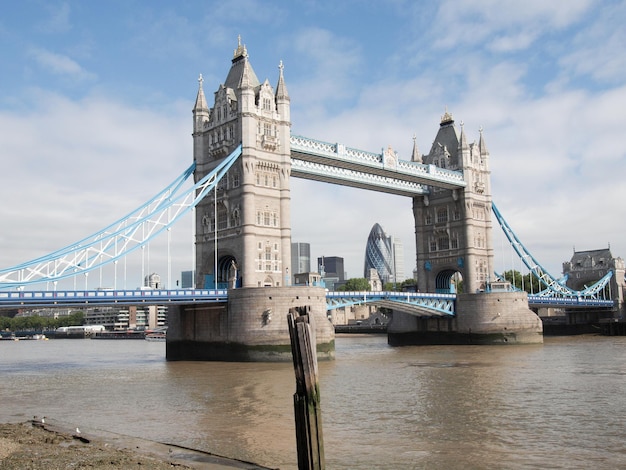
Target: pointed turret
200,110
482,145
282,96
415,156
281,88
464,151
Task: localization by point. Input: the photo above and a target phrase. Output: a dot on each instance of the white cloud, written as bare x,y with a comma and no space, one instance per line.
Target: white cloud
59,64
511,24
74,167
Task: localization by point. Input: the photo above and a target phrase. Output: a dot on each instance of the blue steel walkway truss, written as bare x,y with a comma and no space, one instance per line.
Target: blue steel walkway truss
418,304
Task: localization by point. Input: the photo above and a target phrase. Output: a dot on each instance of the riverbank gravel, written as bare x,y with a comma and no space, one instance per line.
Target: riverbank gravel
35,447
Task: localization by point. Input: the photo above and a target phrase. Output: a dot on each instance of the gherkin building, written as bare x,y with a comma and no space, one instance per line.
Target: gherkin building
379,254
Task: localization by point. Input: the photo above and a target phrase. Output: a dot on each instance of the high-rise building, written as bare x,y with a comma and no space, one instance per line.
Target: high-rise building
186,280
379,254
300,258
385,254
332,266
398,260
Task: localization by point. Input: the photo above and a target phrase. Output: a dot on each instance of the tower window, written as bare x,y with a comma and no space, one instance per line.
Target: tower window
442,215
444,243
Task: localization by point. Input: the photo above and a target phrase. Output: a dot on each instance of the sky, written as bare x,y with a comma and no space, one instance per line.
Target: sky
96,99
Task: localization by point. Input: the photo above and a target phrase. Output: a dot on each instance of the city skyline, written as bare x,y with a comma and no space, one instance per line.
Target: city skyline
97,98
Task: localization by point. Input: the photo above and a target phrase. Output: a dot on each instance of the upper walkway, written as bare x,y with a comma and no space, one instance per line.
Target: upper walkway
335,163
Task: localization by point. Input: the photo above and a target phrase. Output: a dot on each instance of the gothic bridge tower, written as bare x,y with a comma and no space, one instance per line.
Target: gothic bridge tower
453,227
453,236
243,231
251,205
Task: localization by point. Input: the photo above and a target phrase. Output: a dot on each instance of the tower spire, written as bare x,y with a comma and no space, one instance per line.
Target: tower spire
281,88
463,145
482,145
200,109
415,156
200,98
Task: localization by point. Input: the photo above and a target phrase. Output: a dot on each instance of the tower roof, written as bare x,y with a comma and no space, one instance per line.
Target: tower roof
446,136
241,72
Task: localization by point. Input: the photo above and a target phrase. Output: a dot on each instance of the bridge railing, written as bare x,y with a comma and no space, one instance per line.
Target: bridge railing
374,160
10,299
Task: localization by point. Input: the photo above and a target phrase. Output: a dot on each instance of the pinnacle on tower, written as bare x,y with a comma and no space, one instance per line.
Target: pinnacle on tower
446,118
241,51
463,145
200,99
482,145
281,88
415,156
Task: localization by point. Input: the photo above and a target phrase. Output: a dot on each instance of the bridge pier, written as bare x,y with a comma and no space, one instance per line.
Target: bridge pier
251,327
483,318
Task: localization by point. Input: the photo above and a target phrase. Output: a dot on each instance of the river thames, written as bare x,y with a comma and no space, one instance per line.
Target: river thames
557,405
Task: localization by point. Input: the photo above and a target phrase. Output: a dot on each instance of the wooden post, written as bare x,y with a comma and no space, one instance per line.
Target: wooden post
306,400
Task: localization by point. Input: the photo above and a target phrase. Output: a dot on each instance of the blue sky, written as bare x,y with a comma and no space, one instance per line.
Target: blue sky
95,110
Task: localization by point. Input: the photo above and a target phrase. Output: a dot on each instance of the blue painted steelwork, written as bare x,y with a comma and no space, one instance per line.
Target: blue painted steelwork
31,299
120,238
336,163
570,302
419,304
552,284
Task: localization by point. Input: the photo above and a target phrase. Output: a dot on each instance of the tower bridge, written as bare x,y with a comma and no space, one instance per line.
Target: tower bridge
243,158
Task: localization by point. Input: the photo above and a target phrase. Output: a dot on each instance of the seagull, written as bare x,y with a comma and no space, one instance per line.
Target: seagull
77,431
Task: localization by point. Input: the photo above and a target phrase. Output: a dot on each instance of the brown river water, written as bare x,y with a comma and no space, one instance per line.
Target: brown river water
557,405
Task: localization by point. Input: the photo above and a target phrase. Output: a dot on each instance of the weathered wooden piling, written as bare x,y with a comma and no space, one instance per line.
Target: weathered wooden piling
306,400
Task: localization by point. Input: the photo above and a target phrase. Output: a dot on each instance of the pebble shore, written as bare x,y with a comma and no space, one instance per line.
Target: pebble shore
42,444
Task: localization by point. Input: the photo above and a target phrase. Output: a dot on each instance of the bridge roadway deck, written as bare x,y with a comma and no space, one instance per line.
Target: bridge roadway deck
417,303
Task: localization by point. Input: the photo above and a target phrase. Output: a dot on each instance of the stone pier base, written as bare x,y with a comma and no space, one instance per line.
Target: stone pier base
485,318
252,326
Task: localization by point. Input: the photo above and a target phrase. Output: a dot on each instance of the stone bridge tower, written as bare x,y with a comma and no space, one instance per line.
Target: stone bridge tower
250,210
453,236
243,230
453,227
